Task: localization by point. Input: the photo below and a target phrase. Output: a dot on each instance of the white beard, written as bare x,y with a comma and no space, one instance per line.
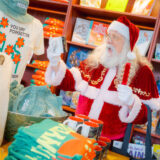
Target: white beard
111,59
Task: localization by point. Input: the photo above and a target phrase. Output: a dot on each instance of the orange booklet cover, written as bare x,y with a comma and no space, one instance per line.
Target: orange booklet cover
98,33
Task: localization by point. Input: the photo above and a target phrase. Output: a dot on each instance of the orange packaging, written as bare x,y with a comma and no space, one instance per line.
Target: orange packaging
35,76
51,34
39,72
54,21
51,28
38,83
38,77
39,63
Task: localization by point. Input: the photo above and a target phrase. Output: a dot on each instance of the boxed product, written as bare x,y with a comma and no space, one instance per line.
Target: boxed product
157,52
144,40
143,7
91,3
116,5
76,54
81,30
97,33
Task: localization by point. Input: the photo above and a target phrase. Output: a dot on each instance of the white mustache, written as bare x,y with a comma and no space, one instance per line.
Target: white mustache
109,46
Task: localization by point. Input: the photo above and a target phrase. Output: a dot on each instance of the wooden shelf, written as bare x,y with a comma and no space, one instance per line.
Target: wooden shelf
66,108
155,60
81,45
47,11
49,2
32,66
109,16
144,132
50,5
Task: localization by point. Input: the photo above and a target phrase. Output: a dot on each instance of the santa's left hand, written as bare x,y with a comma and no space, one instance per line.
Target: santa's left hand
125,94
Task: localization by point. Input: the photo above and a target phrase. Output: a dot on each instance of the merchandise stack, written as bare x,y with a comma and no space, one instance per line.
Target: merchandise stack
89,32
90,128
50,140
38,77
53,27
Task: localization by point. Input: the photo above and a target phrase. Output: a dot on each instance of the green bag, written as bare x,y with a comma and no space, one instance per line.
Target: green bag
38,101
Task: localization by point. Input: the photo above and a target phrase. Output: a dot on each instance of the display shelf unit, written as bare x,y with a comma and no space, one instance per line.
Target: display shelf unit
155,60
155,138
105,16
80,44
155,40
144,132
68,12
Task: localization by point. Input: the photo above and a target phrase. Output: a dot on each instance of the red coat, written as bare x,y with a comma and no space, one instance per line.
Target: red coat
98,95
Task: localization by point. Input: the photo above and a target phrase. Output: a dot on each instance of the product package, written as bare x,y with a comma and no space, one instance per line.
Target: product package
81,31
116,5
143,7
91,3
97,33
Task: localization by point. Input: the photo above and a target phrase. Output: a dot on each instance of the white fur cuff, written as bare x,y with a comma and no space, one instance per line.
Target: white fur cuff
127,116
53,78
153,103
77,76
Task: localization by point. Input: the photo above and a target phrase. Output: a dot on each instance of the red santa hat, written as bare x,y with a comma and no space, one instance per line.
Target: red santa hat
128,30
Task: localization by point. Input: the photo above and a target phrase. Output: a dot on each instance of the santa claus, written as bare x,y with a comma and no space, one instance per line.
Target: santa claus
99,81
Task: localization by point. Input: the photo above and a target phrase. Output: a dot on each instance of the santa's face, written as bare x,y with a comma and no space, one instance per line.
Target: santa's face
116,50
116,40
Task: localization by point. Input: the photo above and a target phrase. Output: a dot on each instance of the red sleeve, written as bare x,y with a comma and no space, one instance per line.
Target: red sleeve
68,83
72,78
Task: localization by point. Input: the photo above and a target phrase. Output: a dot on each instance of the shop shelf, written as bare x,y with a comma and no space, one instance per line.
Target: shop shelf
47,11
155,60
80,44
144,132
108,16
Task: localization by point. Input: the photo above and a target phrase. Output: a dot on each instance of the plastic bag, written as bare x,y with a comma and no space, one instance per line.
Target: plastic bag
15,90
39,101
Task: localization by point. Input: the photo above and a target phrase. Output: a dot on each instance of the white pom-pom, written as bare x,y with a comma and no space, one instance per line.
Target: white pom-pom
131,55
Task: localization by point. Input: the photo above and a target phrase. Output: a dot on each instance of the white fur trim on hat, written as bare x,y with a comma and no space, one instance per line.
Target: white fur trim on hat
120,28
131,55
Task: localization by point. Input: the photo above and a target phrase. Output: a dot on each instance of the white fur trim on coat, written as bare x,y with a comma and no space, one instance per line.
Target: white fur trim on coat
77,77
82,85
53,78
96,107
98,103
90,91
154,103
127,116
